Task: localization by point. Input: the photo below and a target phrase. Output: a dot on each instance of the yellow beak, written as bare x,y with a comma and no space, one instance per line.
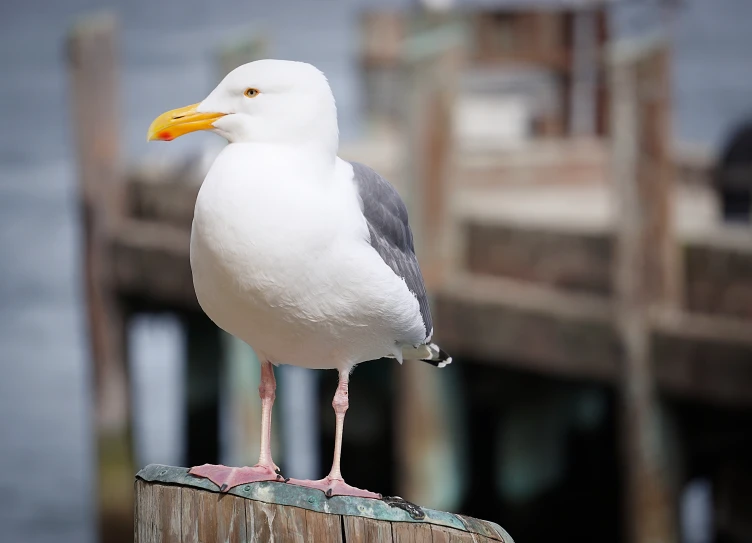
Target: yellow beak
175,123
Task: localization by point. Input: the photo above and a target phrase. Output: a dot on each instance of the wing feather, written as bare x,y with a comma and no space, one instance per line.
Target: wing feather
390,232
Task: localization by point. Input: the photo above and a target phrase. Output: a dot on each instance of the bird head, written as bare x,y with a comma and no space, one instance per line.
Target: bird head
266,101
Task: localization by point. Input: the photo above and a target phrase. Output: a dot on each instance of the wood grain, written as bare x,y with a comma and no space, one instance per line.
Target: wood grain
406,532
208,516
365,530
267,522
93,69
448,535
231,519
158,513
322,527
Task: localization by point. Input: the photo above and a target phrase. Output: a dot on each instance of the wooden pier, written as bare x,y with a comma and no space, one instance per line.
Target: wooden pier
175,507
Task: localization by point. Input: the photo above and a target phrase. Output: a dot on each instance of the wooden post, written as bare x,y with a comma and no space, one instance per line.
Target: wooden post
432,57
174,507
93,74
645,273
602,93
582,94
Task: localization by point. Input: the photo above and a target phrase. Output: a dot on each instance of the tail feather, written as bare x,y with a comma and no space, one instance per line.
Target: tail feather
429,353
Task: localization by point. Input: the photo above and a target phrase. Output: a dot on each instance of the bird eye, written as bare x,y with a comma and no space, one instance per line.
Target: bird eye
251,93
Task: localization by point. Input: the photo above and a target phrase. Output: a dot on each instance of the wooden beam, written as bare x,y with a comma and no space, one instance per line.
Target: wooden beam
150,263
92,66
715,266
603,94
523,325
646,275
576,261
575,336
166,196
172,506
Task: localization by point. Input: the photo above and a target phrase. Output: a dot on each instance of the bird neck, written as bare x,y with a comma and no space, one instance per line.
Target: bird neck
321,142
309,157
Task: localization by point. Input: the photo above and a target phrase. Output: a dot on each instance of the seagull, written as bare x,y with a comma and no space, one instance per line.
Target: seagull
306,257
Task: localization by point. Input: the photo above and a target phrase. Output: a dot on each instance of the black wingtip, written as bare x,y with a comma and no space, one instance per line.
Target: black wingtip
441,360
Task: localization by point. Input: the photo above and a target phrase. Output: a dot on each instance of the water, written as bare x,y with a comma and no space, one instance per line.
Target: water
167,60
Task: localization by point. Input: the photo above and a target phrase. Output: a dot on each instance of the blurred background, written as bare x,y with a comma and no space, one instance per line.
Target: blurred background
578,175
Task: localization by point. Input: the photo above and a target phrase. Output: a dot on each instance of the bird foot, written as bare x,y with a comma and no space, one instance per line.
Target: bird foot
334,487
226,478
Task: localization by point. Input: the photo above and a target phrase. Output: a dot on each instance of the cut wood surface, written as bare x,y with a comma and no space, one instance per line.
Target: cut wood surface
175,507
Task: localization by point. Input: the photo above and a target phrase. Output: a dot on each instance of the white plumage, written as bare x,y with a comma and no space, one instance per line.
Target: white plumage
281,258
306,257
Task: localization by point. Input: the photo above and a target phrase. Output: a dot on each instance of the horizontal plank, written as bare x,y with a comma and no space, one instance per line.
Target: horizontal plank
150,261
170,201
572,261
528,326
541,329
717,263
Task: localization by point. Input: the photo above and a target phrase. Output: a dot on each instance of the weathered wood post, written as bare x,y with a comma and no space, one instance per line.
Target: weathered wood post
431,59
175,507
92,63
646,272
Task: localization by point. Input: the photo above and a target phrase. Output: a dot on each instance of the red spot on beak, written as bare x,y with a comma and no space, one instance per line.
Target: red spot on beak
165,136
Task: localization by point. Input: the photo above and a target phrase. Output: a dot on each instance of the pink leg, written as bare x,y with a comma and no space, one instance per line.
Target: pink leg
266,470
334,484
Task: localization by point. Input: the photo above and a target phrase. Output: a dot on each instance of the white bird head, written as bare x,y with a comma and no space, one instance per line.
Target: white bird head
267,101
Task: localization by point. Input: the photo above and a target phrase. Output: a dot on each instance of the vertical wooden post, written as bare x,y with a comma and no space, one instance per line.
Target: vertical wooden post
93,73
582,96
602,92
433,56
645,273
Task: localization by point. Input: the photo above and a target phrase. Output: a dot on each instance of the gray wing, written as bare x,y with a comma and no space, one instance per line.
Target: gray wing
386,215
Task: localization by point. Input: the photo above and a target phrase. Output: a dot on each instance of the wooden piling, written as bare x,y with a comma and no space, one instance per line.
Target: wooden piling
175,507
646,273
92,61
432,58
